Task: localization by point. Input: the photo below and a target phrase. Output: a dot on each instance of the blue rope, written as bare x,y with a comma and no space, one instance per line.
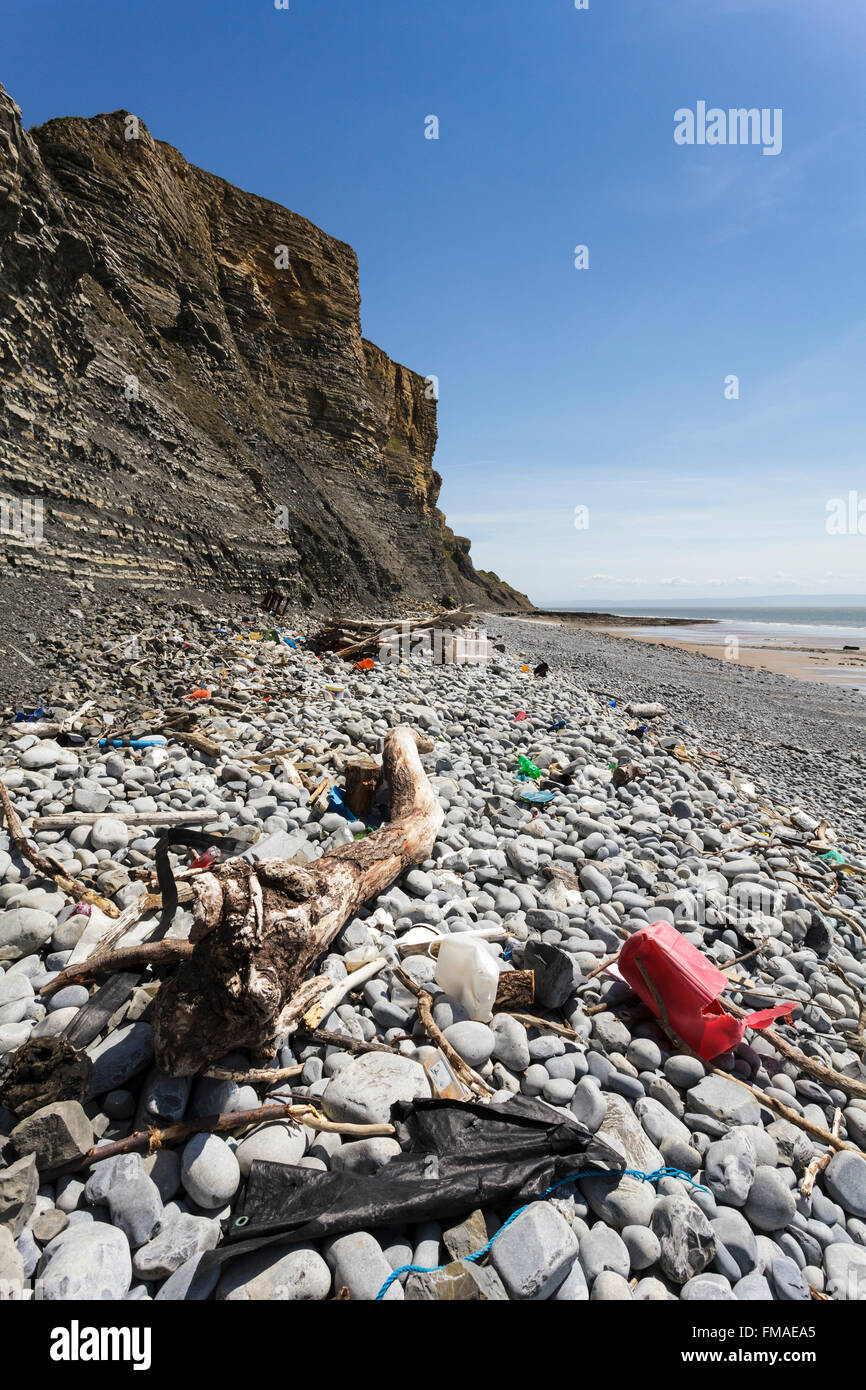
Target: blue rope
563,1182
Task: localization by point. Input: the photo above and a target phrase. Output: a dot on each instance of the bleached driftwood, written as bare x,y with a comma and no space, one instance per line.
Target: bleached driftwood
258,928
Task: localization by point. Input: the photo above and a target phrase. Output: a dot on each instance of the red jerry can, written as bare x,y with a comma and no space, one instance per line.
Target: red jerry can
689,986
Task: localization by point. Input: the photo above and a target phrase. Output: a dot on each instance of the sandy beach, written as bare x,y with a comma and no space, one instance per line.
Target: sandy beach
826,664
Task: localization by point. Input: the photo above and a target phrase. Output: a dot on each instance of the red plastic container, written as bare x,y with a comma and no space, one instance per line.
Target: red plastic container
689,986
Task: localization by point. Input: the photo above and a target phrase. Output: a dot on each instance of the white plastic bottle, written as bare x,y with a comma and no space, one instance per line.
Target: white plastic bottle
466,970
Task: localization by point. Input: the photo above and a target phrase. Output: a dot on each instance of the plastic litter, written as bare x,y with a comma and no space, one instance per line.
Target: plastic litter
528,767
688,985
535,795
30,716
457,1156
336,803
366,664
563,1182
198,695
520,716
554,728
467,971
147,741
541,669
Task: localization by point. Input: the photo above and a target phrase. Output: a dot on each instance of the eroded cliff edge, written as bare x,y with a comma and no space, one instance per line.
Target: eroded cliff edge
185,384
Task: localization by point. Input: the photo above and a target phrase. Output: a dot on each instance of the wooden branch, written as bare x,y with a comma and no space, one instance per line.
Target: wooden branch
46,864
259,1076
258,928
112,962
321,1035
151,1140
544,1024
69,819
826,1075
819,1164
462,1070
327,1002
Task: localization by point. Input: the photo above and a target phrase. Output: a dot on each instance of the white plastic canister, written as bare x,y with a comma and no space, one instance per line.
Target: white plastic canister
467,971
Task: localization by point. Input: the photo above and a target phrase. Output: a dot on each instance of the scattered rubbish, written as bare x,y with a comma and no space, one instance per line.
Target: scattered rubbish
623,773
541,669
458,1156
555,728
525,669
527,767
149,741
198,695
535,795
205,860
612,704
520,716
443,1083
365,664
468,972
356,637
29,716
336,803
485,1248
832,856
686,987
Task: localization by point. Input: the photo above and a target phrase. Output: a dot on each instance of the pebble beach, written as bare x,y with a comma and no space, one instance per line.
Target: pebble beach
739,777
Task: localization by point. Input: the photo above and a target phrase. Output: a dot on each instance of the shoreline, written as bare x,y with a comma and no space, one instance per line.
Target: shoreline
822,664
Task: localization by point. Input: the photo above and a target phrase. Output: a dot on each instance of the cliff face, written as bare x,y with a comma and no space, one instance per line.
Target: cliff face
185,384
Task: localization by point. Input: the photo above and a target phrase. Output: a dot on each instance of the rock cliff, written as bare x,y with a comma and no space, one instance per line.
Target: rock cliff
186,386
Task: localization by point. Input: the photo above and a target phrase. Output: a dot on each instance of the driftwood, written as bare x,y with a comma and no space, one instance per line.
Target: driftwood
516,990
327,1002
72,818
46,864
826,1075
111,962
462,1070
362,779
346,1044
150,1140
354,637
257,929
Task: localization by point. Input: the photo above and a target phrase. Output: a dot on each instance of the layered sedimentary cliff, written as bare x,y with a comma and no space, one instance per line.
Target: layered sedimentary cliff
185,385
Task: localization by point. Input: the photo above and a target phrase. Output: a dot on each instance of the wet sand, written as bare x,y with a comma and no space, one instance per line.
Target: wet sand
825,664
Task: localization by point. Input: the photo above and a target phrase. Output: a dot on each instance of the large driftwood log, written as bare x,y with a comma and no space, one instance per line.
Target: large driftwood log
258,928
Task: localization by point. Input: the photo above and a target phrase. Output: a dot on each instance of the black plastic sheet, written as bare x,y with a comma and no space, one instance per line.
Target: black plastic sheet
458,1156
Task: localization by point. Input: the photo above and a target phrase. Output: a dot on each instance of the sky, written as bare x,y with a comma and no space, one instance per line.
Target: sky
592,441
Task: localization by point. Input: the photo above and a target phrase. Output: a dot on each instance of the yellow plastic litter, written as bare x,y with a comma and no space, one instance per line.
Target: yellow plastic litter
524,668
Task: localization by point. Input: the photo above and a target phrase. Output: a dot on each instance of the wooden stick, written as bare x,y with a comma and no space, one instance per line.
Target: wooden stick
153,1139
322,1035
112,962
351,985
461,1069
72,818
259,1076
819,1164
545,1024
46,864
826,1075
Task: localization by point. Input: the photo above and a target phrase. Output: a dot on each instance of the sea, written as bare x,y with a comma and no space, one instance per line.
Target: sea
761,625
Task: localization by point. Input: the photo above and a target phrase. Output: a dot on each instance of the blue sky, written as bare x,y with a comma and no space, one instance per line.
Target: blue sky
559,388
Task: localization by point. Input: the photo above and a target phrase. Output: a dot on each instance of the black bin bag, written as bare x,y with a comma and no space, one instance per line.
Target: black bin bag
457,1156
